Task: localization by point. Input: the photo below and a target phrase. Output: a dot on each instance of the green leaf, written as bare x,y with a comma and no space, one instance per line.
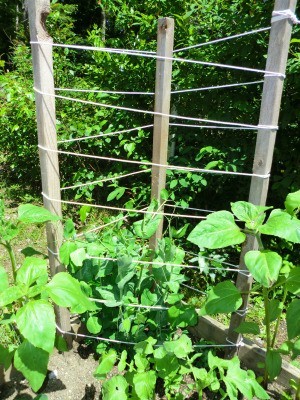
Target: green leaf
273,364
179,233
84,212
181,316
292,202
126,271
180,347
32,270
275,309
222,298
164,194
65,250
65,291
293,281
78,256
248,327
5,357
11,294
122,362
3,279
146,227
60,344
166,364
28,213
252,215
106,364
264,266
116,194
283,225
36,322
148,298
144,384
173,298
69,229
217,231
41,397
115,388
141,362
293,319
145,347
93,325
32,362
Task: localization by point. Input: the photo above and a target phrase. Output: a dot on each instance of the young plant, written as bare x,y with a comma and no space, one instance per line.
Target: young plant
220,230
27,304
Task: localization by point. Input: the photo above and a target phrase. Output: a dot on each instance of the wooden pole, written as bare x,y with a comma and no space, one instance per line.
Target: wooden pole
280,37
165,40
38,11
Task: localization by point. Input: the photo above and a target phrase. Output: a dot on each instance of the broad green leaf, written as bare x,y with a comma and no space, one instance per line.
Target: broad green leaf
293,319
293,281
173,298
126,271
264,266
166,364
84,212
116,194
5,357
146,227
3,279
257,389
28,213
78,256
148,298
222,298
41,397
8,231
275,309
248,327
252,215
292,202
32,362
93,325
179,233
180,347
65,250
60,344
69,229
217,231
122,362
32,270
141,362
36,322
11,294
65,291
181,316
115,388
106,364
164,194
144,384
273,364
145,347
283,225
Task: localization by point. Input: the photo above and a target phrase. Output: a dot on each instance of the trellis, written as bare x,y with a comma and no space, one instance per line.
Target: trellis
270,106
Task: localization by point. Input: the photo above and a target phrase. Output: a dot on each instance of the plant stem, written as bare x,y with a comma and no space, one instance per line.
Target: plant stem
297,396
268,330
12,259
259,241
278,319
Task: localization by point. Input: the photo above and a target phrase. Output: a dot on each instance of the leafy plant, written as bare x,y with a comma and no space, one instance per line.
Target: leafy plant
220,230
27,303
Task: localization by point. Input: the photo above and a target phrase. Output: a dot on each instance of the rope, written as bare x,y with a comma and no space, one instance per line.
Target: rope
284,14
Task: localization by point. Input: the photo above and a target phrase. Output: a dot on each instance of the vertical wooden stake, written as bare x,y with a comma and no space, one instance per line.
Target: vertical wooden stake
280,36
38,11
165,40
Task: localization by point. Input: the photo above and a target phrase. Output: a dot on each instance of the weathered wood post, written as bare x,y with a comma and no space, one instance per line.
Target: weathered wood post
280,36
165,40
38,11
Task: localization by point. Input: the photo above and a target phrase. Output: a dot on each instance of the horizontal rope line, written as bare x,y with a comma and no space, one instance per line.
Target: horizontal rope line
130,305
165,264
151,112
102,91
158,57
134,343
217,87
223,39
213,259
122,209
189,208
105,225
255,128
105,134
170,167
153,93
105,179
192,288
269,127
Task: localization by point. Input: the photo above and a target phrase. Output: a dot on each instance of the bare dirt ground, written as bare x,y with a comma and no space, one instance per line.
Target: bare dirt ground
70,377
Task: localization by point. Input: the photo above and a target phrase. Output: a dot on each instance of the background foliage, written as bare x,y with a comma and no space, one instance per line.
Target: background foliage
129,24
